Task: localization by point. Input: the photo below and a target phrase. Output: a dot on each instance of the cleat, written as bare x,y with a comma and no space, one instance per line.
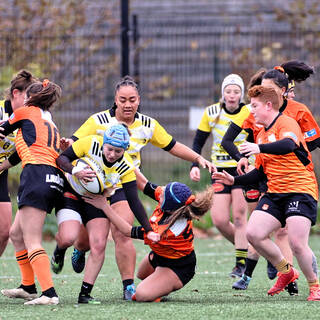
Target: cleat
292,288
128,292
87,299
242,284
19,293
283,280
237,271
78,260
43,300
271,270
57,261
314,293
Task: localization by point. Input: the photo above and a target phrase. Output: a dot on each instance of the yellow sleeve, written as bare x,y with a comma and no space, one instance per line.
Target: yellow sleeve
160,138
87,128
204,123
128,176
82,146
245,113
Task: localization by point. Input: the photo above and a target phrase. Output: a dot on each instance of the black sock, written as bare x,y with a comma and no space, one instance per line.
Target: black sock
30,289
250,266
49,293
86,288
126,283
241,256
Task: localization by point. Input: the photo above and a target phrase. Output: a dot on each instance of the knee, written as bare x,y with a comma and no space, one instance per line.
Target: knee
142,296
296,246
66,241
281,234
253,236
98,246
220,221
15,235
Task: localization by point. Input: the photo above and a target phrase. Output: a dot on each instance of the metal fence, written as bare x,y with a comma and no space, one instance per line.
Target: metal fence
179,61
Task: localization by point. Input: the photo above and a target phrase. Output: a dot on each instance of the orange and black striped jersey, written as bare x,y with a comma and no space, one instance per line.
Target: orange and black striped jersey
177,241
295,110
38,139
292,172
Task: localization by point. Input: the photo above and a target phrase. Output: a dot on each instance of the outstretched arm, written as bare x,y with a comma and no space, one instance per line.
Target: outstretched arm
182,151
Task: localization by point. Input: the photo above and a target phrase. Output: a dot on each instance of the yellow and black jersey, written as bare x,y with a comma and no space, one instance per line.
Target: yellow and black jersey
143,130
217,120
122,171
7,145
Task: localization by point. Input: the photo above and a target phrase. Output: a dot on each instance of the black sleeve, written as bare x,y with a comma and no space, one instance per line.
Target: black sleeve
170,145
65,159
74,138
198,143
251,177
227,141
313,144
150,189
9,128
283,146
137,233
131,191
14,159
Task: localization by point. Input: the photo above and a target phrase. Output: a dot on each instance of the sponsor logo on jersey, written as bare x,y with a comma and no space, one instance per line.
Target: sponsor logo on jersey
12,116
290,134
265,206
310,133
272,138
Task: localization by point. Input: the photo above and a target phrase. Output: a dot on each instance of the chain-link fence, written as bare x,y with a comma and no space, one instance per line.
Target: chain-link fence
179,60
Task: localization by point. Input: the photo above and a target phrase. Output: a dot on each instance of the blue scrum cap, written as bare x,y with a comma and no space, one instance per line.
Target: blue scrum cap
117,136
175,196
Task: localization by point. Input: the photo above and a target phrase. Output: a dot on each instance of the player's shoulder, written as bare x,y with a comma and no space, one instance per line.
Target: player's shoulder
103,117
125,164
144,120
213,110
297,106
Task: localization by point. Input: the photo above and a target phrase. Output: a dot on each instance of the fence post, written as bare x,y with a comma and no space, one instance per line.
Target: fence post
124,37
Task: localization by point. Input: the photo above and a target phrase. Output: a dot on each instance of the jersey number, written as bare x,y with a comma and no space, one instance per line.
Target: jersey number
54,130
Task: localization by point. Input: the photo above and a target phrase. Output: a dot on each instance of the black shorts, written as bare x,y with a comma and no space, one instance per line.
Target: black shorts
119,195
184,267
41,187
73,201
284,205
222,188
4,191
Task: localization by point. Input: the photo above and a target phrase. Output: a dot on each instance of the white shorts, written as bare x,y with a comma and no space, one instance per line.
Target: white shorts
68,215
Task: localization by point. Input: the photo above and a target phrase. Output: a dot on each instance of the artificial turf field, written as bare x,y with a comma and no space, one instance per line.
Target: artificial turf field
207,296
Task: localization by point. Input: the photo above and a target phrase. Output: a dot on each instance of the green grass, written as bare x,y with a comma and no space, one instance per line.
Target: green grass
207,296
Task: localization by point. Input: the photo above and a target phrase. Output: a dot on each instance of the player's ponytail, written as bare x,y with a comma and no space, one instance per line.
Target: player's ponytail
43,94
21,81
297,70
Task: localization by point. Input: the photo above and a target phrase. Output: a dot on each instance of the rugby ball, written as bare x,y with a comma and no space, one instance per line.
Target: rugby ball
96,186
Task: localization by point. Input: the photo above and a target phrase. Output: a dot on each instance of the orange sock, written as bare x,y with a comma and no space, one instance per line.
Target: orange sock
27,275
283,266
40,263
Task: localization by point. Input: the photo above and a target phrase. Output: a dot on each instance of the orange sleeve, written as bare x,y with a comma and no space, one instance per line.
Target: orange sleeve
289,128
308,125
